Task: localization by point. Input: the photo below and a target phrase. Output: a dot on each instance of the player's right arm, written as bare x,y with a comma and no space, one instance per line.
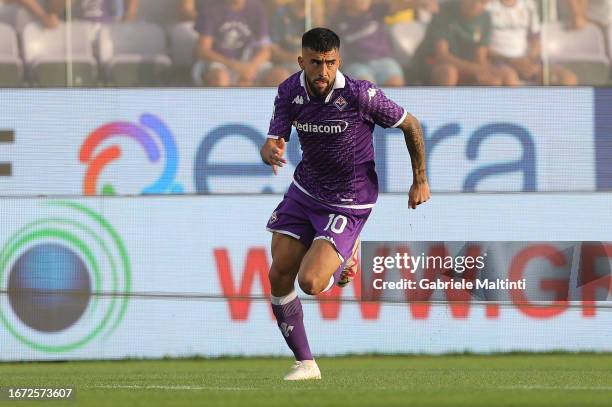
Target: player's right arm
273,149
272,153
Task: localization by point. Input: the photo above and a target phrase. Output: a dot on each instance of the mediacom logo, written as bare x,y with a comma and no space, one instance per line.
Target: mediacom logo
151,133
67,276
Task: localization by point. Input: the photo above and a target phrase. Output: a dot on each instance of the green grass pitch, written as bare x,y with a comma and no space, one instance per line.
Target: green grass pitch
462,380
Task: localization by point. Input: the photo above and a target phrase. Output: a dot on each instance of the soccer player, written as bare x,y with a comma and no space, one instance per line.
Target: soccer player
316,226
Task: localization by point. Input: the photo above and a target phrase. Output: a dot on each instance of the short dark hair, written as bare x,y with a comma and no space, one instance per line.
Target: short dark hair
321,40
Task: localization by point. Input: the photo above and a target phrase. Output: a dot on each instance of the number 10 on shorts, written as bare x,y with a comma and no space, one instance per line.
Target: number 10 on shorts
336,223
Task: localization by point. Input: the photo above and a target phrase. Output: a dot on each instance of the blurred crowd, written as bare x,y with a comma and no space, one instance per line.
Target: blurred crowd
256,42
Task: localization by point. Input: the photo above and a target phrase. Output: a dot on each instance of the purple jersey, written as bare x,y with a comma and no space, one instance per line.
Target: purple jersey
235,32
364,36
335,133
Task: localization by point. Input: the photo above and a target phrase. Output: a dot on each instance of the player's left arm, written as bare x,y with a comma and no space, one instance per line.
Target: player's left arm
413,135
377,108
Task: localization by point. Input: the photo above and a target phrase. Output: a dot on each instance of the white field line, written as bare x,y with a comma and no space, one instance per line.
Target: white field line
539,387
197,388
178,388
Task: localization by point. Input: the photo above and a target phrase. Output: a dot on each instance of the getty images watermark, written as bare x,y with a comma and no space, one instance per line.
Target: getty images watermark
458,264
417,270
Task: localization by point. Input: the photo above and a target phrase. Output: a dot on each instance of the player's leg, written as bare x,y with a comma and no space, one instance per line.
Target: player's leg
318,267
337,231
287,254
292,235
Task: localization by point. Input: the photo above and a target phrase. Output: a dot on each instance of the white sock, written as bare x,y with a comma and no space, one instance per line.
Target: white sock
286,299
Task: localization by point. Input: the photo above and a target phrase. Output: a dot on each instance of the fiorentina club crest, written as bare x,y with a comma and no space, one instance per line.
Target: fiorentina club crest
340,103
273,218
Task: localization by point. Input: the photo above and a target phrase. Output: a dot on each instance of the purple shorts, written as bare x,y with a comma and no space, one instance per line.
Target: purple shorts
307,219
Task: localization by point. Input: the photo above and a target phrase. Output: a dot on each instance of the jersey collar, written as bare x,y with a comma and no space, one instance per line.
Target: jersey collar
339,83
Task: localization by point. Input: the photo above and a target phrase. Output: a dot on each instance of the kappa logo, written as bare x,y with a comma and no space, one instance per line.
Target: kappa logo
340,103
299,100
371,93
286,329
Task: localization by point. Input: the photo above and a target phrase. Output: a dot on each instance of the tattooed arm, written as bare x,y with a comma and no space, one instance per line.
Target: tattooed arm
413,135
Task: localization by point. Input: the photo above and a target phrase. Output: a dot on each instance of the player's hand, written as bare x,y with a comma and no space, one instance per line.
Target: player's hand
419,193
272,153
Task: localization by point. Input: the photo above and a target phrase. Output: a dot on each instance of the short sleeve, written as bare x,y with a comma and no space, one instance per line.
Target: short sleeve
375,106
280,124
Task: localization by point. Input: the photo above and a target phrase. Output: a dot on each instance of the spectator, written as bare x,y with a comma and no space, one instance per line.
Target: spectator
234,44
455,50
49,20
515,41
99,11
366,44
288,25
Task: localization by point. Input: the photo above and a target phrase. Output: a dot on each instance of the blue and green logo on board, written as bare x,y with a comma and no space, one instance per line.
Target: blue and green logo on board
66,279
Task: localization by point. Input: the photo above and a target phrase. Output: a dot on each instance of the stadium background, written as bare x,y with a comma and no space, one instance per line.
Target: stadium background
146,207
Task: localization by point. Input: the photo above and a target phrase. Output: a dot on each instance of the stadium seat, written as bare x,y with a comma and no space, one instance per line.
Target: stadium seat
582,51
406,37
60,57
11,68
183,40
160,12
134,54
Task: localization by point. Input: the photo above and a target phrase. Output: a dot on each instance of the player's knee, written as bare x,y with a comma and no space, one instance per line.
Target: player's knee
275,275
280,273
311,285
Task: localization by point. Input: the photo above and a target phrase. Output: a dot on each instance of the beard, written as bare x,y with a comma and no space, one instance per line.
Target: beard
316,90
